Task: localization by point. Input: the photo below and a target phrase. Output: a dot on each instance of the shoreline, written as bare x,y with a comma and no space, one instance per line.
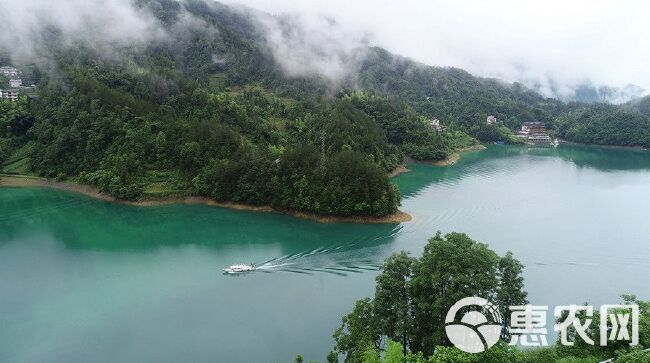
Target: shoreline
399,169
16,181
622,147
457,155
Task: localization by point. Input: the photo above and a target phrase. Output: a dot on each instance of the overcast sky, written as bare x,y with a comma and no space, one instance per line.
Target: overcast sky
606,42
567,41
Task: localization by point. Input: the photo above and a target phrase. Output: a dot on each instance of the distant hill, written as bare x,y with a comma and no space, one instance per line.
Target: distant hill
586,92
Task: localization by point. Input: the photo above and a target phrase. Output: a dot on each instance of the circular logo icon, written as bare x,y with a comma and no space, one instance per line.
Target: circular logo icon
473,333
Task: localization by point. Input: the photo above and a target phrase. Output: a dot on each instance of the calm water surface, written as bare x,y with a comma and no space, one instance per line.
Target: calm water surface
84,280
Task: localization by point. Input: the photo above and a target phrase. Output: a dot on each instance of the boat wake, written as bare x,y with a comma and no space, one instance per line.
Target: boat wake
322,260
340,269
273,267
337,260
359,255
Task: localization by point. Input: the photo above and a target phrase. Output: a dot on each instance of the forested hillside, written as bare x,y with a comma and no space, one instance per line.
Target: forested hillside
605,125
208,111
453,95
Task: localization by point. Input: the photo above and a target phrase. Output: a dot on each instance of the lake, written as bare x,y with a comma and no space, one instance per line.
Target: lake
86,280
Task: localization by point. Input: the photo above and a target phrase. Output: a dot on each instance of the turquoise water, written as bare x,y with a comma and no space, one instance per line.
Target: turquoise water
85,280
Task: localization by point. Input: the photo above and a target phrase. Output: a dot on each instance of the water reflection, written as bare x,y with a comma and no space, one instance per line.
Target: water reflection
486,164
287,244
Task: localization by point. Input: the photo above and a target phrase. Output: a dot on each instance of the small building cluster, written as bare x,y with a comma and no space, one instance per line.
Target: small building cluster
535,133
11,95
14,76
436,125
10,72
491,120
15,82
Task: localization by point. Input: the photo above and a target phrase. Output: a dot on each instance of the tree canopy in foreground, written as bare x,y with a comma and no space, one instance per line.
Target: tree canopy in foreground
404,321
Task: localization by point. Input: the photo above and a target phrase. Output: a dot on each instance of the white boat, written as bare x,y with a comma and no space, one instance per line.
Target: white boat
239,268
556,143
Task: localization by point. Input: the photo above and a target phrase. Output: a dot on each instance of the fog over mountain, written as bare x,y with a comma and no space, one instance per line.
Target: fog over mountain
100,23
579,50
305,45
590,51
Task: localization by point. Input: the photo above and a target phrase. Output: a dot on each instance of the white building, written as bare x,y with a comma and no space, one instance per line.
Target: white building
435,124
9,72
491,120
15,82
9,94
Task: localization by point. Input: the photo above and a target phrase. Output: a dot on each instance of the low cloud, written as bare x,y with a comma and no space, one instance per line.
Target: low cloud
307,45
27,25
554,46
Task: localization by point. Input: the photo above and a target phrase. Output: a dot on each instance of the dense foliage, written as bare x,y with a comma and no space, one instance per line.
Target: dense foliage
413,295
247,146
407,128
580,352
454,96
404,321
606,125
168,120
15,121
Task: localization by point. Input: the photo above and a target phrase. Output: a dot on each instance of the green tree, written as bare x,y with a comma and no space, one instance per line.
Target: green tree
358,331
371,355
393,303
452,267
511,289
633,356
332,357
413,295
394,353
